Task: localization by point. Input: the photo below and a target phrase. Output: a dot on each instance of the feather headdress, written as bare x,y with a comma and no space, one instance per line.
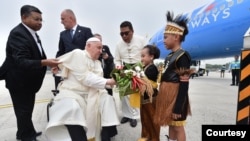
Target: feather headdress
177,25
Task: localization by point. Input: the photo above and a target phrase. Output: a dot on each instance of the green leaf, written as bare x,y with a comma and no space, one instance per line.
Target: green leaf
126,90
128,66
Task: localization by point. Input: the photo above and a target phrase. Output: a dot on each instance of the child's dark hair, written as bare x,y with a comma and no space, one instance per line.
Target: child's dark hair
153,50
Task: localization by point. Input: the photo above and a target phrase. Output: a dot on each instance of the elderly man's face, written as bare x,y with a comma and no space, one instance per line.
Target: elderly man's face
66,20
94,49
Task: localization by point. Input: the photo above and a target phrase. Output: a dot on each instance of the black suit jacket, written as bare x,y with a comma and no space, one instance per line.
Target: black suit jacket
22,68
67,44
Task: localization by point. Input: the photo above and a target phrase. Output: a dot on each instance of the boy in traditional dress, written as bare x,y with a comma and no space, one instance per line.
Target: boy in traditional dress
172,105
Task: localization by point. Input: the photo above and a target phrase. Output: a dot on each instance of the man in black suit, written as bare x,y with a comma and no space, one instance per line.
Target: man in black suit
24,69
107,61
74,36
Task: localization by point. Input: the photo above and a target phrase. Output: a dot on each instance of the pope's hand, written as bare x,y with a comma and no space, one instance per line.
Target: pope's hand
111,82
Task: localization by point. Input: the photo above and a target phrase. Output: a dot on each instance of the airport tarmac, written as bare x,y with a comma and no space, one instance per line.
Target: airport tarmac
213,101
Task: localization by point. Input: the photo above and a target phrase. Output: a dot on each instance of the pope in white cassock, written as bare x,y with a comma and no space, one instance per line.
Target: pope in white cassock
83,110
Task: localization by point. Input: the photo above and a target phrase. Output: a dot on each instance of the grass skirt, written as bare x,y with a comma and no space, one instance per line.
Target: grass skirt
165,102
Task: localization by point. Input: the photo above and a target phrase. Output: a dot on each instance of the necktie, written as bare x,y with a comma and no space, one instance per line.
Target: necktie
39,44
38,39
72,33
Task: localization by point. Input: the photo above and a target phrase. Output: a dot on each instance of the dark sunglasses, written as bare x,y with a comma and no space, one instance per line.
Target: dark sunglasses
124,33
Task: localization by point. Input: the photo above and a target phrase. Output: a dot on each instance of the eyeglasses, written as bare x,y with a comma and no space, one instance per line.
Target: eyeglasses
124,33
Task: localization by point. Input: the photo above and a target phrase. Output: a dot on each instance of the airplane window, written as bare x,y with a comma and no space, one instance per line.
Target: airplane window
230,3
201,15
215,10
239,1
195,18
207,13
222,7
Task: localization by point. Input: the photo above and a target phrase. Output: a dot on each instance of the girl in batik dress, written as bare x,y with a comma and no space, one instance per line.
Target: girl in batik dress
150,130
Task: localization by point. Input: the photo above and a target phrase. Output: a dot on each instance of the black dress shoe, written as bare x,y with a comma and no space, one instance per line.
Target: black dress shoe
36,135
232,84
33,138
133,122
124,120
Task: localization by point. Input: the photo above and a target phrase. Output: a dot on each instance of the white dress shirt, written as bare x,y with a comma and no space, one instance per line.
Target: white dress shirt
129,52
33,33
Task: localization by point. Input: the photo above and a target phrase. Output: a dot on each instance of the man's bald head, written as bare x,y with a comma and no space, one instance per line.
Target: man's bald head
68,19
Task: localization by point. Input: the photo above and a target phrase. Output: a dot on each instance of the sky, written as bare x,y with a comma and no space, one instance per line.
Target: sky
102,16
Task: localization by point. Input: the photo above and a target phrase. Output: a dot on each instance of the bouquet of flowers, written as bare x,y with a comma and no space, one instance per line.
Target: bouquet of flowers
131,79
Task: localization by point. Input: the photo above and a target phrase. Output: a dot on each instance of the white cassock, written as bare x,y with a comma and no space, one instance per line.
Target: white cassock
83,99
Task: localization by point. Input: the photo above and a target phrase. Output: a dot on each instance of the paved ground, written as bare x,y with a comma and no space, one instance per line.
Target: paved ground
213,101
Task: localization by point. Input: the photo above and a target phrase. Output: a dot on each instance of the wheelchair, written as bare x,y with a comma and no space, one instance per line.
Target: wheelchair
58,79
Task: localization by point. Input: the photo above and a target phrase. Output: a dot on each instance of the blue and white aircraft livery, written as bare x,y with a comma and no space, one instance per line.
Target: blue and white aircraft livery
216,30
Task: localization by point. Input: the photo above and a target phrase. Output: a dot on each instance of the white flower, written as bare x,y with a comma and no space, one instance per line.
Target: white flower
137,68
134,73
126,71
138,75
142,73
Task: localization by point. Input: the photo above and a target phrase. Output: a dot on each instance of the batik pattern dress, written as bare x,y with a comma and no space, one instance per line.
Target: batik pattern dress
150,130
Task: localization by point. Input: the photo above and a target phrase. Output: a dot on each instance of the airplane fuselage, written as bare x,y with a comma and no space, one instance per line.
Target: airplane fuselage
216,30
